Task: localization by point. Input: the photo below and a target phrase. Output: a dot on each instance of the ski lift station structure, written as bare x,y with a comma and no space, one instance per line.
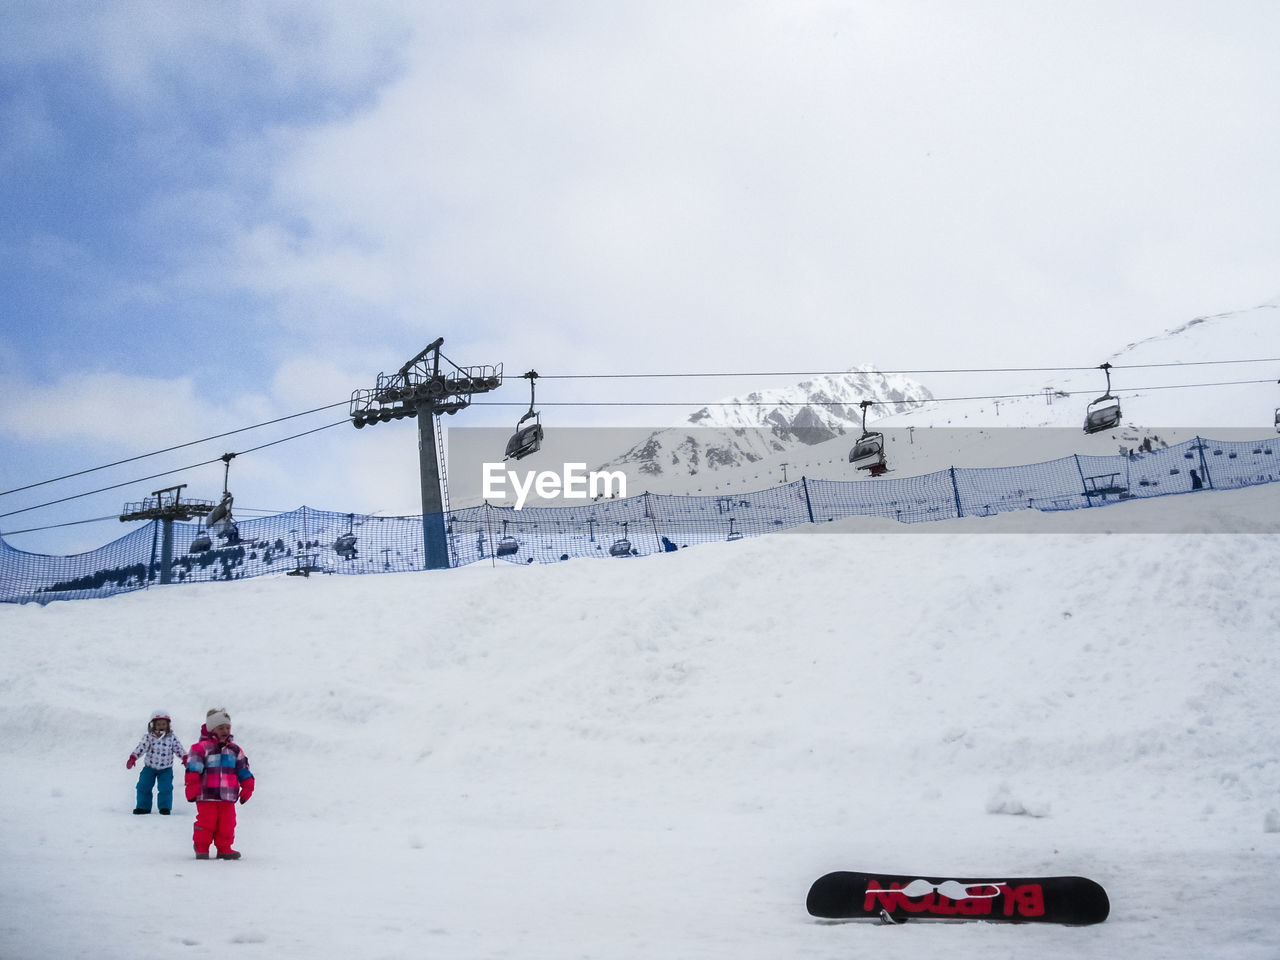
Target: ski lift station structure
166,506
427,385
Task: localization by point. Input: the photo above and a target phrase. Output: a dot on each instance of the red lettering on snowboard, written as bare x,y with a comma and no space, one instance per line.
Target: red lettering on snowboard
1026,900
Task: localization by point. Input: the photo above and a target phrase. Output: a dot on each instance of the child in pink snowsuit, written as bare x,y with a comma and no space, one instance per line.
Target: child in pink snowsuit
217,775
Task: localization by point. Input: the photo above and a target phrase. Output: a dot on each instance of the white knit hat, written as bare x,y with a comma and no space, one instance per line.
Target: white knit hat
216,718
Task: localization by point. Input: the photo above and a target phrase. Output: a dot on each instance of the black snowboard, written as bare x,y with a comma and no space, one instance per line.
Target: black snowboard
896,898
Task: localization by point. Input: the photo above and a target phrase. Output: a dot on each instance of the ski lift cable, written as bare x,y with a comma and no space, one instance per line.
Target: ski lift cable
306,433
836,373
114,486
194,466
844,403
179,446
55,526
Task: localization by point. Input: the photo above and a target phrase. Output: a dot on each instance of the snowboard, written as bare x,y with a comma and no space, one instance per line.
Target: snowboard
897,898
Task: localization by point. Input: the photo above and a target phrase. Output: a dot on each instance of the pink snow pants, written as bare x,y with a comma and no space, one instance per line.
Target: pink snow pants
215,824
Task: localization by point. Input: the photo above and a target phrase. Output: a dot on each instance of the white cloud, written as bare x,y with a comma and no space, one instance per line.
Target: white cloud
104,410
680,181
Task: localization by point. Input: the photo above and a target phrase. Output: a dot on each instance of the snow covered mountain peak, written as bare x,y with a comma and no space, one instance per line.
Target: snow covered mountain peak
828,399
738,431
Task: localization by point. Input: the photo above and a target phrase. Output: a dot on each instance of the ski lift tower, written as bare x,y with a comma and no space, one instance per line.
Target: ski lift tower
167,506
424,389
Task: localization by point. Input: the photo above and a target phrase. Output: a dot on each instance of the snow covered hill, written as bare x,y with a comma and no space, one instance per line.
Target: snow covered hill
655,757
1153,396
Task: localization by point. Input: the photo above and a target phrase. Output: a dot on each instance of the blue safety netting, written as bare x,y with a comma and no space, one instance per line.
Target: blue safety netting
308,541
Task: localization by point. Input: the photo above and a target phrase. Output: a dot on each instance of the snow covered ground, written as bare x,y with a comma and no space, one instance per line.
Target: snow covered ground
655,757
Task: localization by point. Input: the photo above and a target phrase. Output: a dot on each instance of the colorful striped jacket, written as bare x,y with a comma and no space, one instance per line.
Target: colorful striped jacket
215,771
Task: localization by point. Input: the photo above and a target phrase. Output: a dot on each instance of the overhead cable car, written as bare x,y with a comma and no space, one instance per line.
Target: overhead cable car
868,453
526,440
1104,412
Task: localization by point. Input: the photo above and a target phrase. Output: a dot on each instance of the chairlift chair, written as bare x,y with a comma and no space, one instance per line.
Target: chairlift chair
508,545
345,546
202,543
219,517
1104,412
221,512
622,546
868,453
221,524
526,440
733,534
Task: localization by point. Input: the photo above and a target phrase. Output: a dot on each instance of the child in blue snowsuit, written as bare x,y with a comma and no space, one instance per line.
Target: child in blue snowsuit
158,748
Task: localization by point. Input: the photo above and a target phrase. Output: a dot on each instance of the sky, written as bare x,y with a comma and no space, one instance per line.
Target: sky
219,215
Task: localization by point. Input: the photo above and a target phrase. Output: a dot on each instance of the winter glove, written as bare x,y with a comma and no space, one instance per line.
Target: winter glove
246,790
133,758
193,786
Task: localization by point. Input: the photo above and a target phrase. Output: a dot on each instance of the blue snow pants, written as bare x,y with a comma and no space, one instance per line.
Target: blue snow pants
162,780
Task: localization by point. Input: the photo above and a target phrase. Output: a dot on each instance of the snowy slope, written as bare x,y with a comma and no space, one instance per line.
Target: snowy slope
655,757
1150,400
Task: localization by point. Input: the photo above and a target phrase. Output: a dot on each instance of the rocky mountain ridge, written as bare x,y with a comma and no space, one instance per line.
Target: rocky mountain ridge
738,431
